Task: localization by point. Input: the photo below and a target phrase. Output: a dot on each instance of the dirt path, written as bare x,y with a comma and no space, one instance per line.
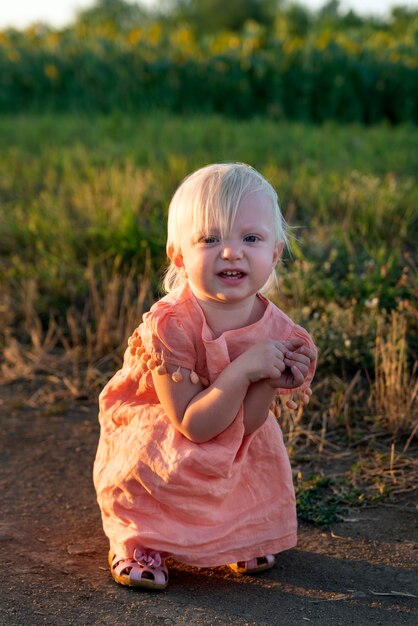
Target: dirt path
53,550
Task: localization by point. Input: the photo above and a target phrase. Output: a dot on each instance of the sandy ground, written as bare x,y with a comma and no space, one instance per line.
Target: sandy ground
53,552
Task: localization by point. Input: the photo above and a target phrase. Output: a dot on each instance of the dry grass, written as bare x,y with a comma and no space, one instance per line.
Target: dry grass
114,307
395,389
385,470
83,349
75,357
72,359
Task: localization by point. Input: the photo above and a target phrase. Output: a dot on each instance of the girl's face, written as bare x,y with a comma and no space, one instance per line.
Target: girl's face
233,268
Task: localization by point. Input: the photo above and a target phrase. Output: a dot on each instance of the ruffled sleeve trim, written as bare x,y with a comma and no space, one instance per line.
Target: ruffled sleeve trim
163,338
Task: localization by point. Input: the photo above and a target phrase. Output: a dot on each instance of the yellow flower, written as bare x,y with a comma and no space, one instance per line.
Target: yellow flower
292,44
223,42
350,46
182,37
394,57
13,55
234,42
134,36
51,71
323,40
52,40
155,34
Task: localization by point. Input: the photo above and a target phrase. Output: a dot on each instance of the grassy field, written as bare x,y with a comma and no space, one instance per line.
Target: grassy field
83,210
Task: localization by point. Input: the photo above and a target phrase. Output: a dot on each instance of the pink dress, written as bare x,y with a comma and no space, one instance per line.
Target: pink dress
226,500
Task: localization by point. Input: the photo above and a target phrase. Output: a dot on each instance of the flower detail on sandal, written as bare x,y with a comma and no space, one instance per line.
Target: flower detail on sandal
145,569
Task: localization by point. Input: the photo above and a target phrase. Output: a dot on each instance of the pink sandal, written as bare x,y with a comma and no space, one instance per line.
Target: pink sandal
253,566
145,569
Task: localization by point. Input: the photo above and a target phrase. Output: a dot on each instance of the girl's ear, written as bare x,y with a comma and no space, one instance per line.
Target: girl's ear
278,250
175,257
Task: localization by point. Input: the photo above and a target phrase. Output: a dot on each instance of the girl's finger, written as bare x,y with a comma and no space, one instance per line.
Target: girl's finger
303,369
289,362
311,354
293,344
281,349
297,375
297,357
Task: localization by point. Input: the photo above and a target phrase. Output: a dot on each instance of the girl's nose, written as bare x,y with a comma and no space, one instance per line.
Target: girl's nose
232,251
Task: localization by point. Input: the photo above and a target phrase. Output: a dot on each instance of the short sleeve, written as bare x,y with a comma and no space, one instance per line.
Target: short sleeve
297,332
166,338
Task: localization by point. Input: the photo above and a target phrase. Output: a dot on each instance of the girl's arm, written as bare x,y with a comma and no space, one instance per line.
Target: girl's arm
257,405
203,413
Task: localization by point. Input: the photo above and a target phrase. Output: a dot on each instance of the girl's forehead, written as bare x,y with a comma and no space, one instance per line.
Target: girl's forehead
251,207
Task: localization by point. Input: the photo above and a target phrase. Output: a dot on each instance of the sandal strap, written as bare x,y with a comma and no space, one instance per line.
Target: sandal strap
159,574
253,563
121,564
256,564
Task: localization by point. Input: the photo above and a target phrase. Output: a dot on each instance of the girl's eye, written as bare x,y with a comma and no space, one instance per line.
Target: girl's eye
251,238
209,239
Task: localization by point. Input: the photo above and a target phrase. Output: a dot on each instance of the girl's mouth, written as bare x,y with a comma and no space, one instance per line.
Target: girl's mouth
231,275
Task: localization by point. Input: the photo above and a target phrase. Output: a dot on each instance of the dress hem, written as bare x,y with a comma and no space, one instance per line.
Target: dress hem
219,560
270,547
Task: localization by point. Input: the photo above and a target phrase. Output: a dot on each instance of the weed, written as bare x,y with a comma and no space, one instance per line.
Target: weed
317,503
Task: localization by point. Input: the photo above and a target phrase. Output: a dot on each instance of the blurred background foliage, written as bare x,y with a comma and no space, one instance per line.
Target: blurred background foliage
238,58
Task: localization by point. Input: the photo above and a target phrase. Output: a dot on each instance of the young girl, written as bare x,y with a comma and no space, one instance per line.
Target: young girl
191,462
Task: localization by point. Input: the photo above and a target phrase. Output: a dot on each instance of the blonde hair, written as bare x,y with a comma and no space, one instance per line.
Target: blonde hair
211,195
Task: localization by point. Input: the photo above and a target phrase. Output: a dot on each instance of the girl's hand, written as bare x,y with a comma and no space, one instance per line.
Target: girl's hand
301,359
300,399
264,360
293,402
297,361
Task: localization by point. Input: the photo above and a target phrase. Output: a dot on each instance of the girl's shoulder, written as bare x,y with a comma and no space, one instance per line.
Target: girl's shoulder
279,317
285,326
176,309
169,329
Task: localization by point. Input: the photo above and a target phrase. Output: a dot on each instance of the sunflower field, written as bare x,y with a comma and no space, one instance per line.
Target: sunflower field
350,71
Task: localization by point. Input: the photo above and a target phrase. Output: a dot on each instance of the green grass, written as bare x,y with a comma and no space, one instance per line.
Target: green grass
75,188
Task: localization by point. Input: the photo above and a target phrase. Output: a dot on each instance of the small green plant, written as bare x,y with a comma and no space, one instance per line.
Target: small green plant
323,501
315,503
